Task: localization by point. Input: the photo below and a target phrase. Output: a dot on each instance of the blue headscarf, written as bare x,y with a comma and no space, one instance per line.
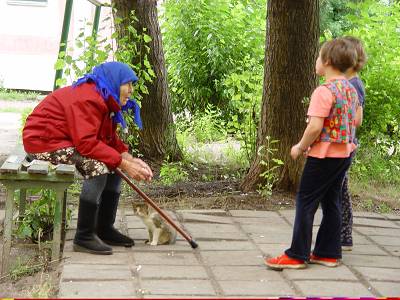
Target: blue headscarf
108,78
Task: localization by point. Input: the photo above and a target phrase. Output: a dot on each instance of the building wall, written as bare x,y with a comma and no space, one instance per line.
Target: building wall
30,34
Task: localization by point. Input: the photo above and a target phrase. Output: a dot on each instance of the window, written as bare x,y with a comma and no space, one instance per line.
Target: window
28,2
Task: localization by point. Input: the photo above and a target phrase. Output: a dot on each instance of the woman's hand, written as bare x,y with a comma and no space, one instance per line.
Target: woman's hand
135,168
296,151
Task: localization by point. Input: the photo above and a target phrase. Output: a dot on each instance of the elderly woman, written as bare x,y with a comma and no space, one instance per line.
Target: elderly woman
77,125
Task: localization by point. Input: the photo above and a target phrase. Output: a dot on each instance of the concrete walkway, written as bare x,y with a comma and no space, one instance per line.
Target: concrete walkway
9,134
229,260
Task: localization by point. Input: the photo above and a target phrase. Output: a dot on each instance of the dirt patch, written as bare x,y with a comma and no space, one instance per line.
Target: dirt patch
30,275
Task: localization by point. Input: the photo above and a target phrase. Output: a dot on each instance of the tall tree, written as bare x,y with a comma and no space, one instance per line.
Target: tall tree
292,34
158,138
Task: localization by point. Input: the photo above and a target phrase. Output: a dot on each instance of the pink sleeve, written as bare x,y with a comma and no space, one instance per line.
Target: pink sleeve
321,102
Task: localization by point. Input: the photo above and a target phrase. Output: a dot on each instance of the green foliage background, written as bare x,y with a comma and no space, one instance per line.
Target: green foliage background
215,54
205,42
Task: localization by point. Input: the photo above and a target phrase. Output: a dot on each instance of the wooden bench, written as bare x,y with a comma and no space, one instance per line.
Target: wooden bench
17,173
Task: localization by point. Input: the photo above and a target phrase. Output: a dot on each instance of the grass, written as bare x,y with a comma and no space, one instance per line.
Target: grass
12,95
12,110
376,196
43,289
23,268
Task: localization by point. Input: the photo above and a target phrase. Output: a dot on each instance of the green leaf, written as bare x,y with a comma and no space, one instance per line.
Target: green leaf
147,38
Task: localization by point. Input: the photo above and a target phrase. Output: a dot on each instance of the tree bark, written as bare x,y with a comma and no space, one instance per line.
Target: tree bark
158,138
289,78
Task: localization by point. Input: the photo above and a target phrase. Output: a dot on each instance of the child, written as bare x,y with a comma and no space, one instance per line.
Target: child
347,212
328,143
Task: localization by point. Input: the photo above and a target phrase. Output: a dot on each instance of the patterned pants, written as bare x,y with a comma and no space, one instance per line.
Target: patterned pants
347,214
88,167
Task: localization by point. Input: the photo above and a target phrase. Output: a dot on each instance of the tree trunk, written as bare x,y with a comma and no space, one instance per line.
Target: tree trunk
158,138
289,78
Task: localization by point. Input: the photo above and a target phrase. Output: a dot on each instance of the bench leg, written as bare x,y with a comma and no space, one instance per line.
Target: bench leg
64,219
5,266
55,253
22,202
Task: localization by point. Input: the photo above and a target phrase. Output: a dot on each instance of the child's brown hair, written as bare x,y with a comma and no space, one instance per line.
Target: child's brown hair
339,53
361,55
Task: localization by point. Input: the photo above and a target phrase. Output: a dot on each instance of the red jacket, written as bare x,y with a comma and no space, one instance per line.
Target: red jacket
75,117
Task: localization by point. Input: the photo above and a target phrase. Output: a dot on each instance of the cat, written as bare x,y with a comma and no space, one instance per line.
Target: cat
160,232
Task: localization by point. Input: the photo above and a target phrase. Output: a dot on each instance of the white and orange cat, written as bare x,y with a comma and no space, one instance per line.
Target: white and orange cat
160,232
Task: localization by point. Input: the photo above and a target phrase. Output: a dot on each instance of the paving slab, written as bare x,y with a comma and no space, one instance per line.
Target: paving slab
387,289
382,274
97,289
265,228
232,258
359,239
367,214
263,222
69,236
84,258
134,222
166,258
289,215
245,273
215,231
256,288
196,228
320,272
394,250
272,250
172,272
372,222
378,231
179,287
193,218
392,217
253,214
281,237
102,272
319,288
141,246
366,250
172,296
212,212
372,261
138,233
386,240
226,245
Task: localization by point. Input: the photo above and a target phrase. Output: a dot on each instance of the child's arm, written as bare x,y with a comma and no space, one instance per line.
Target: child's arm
311,133
359,116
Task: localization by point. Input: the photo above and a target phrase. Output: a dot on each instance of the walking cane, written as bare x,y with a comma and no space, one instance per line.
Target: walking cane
159,210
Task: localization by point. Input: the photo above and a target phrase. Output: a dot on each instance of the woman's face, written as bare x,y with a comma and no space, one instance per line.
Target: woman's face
125,92
319,66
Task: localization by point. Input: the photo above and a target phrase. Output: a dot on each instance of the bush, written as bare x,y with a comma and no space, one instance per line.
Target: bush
171,173
205,42
377,25
333,17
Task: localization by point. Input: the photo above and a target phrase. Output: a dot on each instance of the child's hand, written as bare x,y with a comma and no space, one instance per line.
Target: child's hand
296,151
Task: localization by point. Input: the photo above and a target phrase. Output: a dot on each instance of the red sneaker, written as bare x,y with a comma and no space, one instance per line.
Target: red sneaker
326,261
284,262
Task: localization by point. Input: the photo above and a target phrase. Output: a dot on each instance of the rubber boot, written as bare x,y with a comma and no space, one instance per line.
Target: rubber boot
105,221
86,240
